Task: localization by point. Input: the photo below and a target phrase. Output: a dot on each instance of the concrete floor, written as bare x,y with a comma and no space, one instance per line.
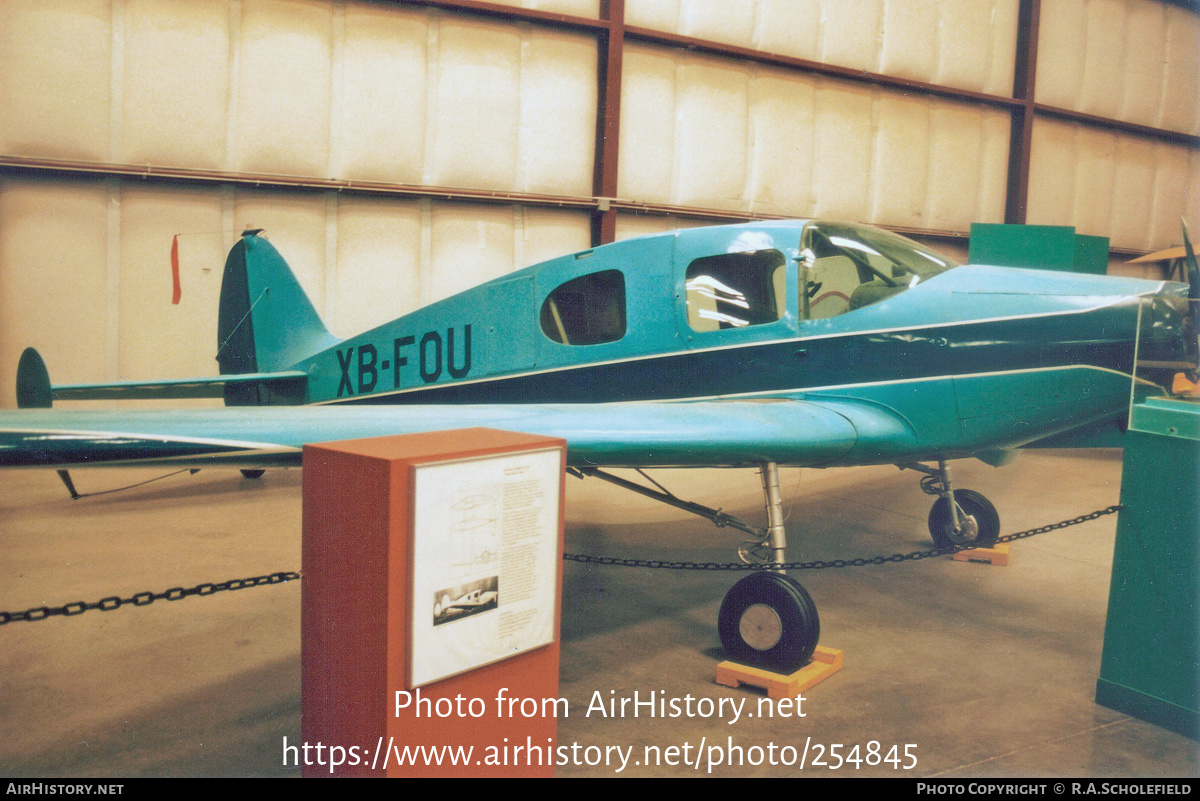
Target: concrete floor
987,671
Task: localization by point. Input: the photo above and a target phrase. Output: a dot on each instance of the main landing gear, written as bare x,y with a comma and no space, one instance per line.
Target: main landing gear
958,517
767,619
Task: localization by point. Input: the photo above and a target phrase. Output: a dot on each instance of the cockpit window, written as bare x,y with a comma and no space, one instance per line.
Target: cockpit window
845,267
587,310
734,290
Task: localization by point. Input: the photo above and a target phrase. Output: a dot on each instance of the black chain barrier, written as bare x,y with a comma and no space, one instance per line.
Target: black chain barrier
145,598
659,564
178,593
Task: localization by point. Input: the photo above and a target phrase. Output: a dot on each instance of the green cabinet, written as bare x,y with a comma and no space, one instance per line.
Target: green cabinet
1150,667
1044,247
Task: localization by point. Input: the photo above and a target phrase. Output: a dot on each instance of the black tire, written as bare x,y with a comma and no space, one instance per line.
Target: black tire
253,473
768,620
972,504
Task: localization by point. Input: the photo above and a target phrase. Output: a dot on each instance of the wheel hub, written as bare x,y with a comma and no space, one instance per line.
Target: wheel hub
969,528
760,627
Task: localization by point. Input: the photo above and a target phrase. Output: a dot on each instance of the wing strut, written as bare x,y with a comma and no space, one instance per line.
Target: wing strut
769,545
715,516
65,475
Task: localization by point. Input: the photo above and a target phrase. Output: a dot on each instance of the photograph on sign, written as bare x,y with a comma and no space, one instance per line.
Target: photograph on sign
485,560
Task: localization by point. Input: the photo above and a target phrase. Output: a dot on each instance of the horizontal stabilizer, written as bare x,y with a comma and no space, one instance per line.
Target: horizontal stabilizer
35,391
208,387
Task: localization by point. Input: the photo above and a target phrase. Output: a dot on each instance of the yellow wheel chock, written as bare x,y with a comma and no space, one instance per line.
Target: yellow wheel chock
825,662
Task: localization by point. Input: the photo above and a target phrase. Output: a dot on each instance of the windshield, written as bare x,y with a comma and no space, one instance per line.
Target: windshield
884,253
844,267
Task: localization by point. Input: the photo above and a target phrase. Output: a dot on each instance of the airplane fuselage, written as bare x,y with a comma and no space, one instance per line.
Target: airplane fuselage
807,343
984,356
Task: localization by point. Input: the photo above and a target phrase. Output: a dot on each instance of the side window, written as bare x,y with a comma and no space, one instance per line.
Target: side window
734,290
587,310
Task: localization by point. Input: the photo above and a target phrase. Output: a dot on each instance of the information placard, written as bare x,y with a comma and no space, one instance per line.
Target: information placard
485,551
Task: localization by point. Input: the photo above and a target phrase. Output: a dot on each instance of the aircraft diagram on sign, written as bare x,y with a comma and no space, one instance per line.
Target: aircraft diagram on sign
806,343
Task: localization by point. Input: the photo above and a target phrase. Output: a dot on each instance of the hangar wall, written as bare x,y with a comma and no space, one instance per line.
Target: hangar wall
397,152
705,132
1129,60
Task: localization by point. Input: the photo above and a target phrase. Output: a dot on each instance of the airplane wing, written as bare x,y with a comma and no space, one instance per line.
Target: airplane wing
701,433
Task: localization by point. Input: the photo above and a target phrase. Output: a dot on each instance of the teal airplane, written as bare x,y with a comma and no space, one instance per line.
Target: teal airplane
809,343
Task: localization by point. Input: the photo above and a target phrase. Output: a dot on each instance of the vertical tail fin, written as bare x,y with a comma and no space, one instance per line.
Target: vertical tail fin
33,382
266,322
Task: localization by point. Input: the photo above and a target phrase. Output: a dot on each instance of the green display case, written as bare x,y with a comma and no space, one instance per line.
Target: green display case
1150,667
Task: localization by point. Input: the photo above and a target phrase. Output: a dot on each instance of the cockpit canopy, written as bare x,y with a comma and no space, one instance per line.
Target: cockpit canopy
741,279
844,267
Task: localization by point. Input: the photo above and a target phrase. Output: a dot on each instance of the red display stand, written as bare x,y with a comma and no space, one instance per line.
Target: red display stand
361,521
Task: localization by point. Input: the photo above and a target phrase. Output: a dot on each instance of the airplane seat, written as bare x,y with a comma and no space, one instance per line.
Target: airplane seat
835,279
873,292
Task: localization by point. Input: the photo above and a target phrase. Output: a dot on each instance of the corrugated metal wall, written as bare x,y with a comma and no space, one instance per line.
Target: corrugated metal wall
398,98
700,131
969,44
1131,60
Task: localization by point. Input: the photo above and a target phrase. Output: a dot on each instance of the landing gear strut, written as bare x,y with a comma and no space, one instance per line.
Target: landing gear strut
768,619
958,517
